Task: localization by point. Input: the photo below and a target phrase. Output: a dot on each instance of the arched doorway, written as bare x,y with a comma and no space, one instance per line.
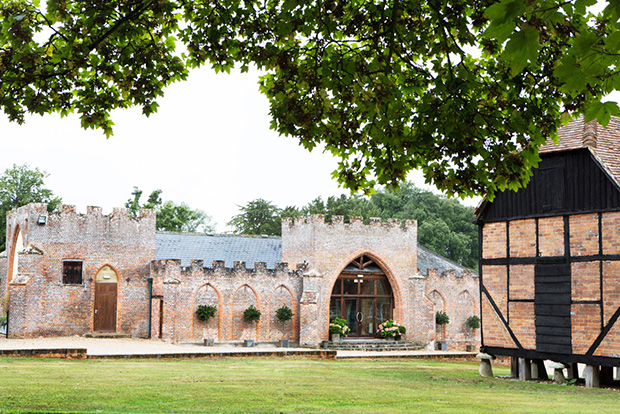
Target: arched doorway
363,296
106,284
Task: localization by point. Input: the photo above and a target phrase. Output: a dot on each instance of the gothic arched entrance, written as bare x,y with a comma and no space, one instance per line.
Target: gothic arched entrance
363,296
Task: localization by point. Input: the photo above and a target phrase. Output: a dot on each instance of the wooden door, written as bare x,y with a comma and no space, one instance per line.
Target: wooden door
552,300
105,307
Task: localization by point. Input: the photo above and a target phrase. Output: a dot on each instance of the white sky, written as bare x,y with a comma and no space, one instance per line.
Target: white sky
209,145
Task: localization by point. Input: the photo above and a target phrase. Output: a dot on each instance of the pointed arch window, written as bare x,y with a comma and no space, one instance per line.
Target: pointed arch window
363,296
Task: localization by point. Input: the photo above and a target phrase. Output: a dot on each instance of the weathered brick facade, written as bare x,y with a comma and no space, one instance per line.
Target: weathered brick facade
40,304
314,254
550,254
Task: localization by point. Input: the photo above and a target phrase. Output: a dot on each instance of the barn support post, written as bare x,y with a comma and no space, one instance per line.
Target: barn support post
607,375
514,367
539,371
573,371
593,376
525,369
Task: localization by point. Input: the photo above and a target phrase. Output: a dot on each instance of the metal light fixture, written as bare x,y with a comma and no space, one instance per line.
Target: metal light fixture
42,219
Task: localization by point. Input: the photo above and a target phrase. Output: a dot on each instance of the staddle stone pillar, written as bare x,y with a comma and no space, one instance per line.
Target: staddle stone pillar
485,365
525,369
593,376
558,372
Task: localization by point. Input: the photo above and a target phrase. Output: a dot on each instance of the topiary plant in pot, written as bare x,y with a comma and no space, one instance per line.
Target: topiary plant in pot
251,314
206,312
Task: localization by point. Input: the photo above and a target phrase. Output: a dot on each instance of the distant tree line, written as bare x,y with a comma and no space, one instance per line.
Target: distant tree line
444,225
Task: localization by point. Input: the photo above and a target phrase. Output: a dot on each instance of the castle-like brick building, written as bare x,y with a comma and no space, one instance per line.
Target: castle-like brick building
66,273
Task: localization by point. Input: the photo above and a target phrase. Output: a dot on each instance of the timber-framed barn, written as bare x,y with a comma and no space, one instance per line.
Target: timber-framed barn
550,255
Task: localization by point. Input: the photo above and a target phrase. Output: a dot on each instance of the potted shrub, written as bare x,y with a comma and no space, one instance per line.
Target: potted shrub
473,323
251,314
391,330
284,314
442,319
205,312
337,328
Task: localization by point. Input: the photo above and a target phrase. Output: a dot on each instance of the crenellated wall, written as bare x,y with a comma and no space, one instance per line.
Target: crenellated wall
314,254
232,290
328,247
40,304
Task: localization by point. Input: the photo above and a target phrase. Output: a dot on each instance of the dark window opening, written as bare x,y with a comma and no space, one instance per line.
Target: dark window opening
72,273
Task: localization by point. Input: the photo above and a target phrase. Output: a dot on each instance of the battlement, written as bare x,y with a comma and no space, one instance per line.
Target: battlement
239,269
68,226
68,210
338,221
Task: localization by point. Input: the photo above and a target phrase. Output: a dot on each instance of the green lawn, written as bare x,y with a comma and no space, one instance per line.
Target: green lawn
280,385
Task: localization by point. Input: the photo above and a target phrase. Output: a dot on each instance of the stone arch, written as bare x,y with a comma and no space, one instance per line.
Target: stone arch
465,307
439,304
17,245
282,296
396,285
243,297
206,294
438,300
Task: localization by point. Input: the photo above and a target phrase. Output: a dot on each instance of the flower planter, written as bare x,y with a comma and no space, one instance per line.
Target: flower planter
335,338
209,341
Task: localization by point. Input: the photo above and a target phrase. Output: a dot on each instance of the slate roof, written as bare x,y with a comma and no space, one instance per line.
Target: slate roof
606,149
428,259
248,249
251,249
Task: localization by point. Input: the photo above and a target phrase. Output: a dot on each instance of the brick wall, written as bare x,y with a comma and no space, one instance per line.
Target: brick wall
232,290
584,235
551,236
329,247
42,305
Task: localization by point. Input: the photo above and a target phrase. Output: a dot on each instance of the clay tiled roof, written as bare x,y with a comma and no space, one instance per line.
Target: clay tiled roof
603,143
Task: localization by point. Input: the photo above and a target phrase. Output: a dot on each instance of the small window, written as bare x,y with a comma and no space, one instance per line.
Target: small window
71,272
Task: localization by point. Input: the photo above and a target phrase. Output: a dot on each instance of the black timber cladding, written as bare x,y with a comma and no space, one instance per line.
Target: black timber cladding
552,304
564,183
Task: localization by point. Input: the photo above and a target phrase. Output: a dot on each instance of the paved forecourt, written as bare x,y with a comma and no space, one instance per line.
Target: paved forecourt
80,347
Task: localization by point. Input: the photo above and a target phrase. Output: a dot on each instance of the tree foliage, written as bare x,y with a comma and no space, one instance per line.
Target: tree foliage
258,217
171,216
444,225
20,185
464,90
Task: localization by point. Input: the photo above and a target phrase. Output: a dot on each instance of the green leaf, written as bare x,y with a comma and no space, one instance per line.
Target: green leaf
522,48
503,19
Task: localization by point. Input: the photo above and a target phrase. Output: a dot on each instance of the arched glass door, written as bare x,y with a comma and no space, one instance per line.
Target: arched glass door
363,296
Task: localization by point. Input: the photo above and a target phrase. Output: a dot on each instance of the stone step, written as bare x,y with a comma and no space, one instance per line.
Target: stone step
117,335
377,345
